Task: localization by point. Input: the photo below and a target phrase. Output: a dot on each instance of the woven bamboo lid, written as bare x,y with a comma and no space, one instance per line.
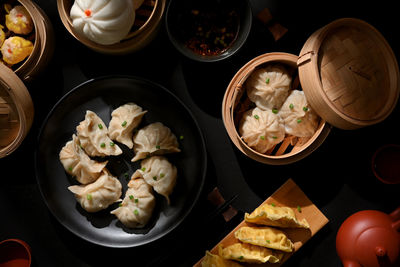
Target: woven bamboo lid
349,74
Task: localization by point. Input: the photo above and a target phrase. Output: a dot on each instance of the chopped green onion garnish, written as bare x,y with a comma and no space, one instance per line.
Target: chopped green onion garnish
103,145
89,197
273,205
262,137
298,208
124,124
126,175
268,241
112,144
181,137
155,178
136,212
256,117
100,126
291,106
70,169
241,258
143,169
130,197
120,205
274,110
162,175
267,81
299,120
274,137
305,108
158,147
136,200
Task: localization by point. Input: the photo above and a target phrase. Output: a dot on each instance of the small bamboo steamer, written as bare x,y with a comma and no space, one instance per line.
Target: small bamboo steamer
333,85
16,106
147,23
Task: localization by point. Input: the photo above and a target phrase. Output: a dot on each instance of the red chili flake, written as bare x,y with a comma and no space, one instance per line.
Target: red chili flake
88,12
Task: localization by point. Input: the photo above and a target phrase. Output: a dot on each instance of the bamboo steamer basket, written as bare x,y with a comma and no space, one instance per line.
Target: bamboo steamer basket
16,106
349,75
147,23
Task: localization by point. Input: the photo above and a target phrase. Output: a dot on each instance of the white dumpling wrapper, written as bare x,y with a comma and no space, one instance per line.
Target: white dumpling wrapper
124,120
105,22
158,172
269,87
78,164
261,129
97,196
299,118
137,206
94,138
154,139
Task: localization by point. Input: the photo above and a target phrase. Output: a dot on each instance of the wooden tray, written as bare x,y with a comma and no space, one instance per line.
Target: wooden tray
289,195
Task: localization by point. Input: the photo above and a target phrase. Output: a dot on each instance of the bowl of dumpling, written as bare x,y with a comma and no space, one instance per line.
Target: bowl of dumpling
266,112
280,107
112,27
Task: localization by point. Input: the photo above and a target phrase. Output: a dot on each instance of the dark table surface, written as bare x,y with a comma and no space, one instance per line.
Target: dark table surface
337,177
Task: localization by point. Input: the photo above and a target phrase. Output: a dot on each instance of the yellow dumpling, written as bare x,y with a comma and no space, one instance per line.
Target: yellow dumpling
19,20
212,260
250,253
15,49
266,237
2,36
270,215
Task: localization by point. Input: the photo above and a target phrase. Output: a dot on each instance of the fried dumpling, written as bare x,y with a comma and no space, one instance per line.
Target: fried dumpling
154,139
265,237
271,215
261,129
124,120
98,195
138,204
78,164
158,172
268,87
213,260
19,20
93,137
299,118
250,253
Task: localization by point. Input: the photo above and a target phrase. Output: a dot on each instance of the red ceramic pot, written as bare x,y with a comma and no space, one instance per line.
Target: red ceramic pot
370,238
14,253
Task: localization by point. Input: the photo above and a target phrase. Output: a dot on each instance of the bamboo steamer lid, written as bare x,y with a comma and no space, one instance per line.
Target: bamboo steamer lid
16,111
147,22
349,74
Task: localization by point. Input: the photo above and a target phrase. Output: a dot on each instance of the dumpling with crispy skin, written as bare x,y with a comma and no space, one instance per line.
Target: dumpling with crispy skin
98,195
272,215
154,139
213,260
78,164
93,137
265,237
124,120
250,253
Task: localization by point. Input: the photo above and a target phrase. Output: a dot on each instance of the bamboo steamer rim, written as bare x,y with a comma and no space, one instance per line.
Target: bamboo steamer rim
22,100
235,87
132,42
344,112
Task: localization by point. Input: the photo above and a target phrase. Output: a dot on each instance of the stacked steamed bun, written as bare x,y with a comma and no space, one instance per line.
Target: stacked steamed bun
98,188
279,111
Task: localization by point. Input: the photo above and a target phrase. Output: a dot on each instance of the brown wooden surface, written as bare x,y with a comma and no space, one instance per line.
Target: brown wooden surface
288,195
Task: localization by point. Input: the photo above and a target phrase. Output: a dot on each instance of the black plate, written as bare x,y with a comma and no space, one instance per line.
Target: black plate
102,95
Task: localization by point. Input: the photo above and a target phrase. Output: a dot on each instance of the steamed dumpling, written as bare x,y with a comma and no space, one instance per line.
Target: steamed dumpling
154,139
261,130
105,22
124,120
93,137
270,215
299,118
98,195
158,172
19,20
15,49
250,253
78,164
269,87
265,237
138,204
